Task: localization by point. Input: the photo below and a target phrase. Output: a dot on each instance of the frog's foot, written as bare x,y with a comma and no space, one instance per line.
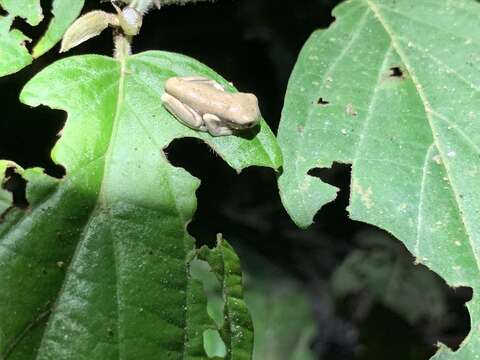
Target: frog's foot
215,125
204,80
184,113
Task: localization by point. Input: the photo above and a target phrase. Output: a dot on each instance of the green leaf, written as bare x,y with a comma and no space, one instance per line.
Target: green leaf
237,330
381,266
97,267
30,10
281,310
64,12
6,197
13,53
14,56
393,89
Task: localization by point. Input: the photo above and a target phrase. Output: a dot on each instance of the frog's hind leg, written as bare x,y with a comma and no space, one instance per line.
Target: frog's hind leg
184,113
215,125
204,80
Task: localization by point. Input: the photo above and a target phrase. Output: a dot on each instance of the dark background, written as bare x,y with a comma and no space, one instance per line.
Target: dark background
253,43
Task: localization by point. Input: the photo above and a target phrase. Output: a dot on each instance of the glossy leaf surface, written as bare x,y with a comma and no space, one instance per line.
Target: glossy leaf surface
98,267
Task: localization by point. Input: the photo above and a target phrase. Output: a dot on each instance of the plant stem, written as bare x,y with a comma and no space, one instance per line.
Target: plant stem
123,47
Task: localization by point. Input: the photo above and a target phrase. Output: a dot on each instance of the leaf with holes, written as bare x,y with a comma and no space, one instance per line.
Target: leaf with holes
64,13
14,56
6,197
98,266
393,88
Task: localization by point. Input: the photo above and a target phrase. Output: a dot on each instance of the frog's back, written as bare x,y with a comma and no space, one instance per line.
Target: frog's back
204,98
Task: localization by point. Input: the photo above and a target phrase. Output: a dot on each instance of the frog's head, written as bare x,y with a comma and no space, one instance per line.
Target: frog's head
244,111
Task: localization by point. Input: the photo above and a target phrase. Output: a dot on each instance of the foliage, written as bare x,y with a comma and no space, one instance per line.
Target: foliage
100,260
392,88
380,270
282,313
99,264
13,54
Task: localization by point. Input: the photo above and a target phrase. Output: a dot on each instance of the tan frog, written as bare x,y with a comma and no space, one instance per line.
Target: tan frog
203,104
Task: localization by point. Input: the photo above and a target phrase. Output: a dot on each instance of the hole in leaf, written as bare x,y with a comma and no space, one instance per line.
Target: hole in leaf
458,317
22,25
201,271
378,287
3,12
28,142
330,175
366,317
322,101
396,72
215,191
17,186
213,344
337,175
37,31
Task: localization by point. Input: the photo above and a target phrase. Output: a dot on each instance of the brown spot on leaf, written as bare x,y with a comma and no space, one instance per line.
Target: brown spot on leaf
350,111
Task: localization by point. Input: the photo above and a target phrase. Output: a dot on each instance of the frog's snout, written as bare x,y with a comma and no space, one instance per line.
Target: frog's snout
251,122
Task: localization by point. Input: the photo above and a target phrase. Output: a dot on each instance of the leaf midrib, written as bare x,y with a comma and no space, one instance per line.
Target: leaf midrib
428,112
106,156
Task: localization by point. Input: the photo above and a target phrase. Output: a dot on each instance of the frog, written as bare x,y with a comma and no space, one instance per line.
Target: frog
203,104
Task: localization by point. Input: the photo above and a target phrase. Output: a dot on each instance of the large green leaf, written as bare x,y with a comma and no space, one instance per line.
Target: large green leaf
13,54
97,268
393,89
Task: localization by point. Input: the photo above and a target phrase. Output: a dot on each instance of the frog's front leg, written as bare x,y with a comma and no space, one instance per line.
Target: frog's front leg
184,113
215,125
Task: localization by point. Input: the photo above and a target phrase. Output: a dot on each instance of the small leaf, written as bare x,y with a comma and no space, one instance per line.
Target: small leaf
87,27
403,87
6,197
14,56
30,10
13,53
64,12
237,330
98,267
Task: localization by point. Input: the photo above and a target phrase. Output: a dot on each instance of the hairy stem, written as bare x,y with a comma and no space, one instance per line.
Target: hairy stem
143,6
123,47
